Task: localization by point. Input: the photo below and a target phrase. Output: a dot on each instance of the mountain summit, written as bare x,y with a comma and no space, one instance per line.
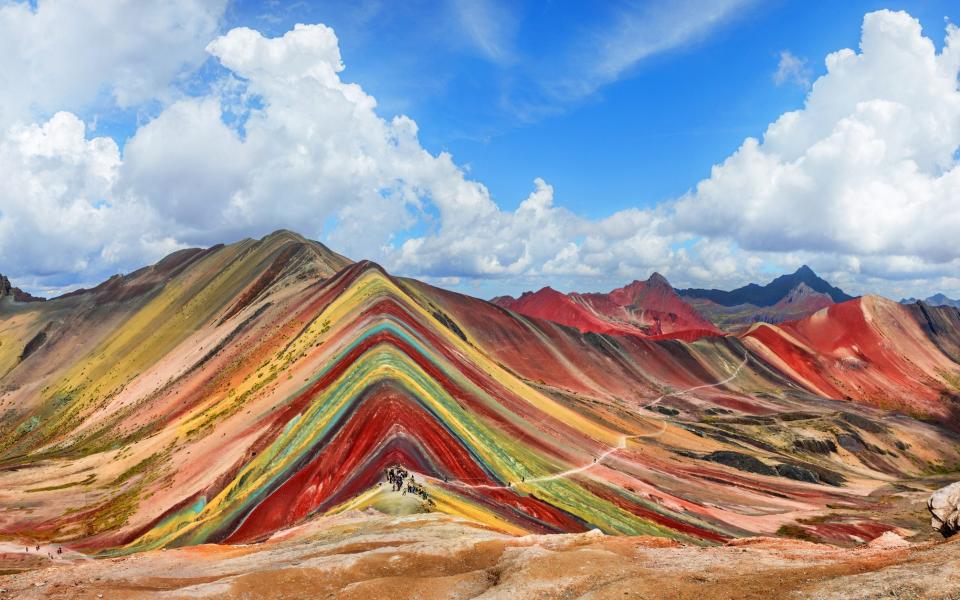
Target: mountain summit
649,308
771,293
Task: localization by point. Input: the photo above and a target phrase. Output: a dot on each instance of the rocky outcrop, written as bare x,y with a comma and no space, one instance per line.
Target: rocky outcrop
8,291
815,446
944,506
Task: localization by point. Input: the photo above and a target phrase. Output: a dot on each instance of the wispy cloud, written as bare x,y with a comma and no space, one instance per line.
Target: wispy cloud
792,69
490,27
640,31
613,49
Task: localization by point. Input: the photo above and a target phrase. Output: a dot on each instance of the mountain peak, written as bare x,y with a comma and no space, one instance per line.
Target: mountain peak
771,293
805,296
18,295
648,308
658,280
544,292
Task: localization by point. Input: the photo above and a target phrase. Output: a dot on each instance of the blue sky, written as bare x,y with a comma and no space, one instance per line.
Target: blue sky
578,145
646,137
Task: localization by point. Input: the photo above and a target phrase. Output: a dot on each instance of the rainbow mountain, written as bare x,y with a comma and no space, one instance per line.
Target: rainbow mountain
227,394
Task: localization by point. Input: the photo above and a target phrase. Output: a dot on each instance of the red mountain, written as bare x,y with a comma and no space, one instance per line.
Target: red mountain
870,349
649,308
241,392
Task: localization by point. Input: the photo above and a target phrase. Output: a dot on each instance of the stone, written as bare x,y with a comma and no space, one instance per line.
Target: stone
944,507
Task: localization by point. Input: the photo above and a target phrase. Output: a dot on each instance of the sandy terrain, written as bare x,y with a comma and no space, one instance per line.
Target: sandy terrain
367,555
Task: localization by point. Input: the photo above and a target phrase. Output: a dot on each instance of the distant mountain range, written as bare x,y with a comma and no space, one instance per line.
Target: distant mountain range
649,308
786,298
935,300
225,394
652,308
772,293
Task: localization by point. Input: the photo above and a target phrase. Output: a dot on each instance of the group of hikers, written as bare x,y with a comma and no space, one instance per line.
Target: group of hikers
397,477
50,554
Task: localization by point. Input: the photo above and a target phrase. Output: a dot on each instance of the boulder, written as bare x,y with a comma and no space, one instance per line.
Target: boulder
944,506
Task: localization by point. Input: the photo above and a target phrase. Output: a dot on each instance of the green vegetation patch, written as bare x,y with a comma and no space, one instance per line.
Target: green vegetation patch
114,514
145,465
88,480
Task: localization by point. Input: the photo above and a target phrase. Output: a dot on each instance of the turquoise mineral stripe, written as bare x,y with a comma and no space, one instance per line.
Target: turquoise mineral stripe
494,452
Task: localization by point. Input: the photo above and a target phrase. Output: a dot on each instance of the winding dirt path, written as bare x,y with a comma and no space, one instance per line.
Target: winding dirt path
622,445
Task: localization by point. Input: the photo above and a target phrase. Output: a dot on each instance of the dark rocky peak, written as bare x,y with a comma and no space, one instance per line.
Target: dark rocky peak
16,294
658,280
771,293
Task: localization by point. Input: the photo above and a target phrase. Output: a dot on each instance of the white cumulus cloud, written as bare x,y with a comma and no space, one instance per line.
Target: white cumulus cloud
57,210
65,54
862,181
867,168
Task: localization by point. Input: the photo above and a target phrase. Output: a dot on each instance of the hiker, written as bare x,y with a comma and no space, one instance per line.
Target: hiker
59,550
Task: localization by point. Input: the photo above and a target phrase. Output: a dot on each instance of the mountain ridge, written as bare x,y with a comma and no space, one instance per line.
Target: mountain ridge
770,293
648,308
227,394
16,294
938,299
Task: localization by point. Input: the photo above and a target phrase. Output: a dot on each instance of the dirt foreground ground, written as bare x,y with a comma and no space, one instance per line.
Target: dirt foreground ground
370,556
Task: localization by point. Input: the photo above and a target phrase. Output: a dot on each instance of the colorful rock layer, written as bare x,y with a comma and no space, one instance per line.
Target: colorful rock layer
225,394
